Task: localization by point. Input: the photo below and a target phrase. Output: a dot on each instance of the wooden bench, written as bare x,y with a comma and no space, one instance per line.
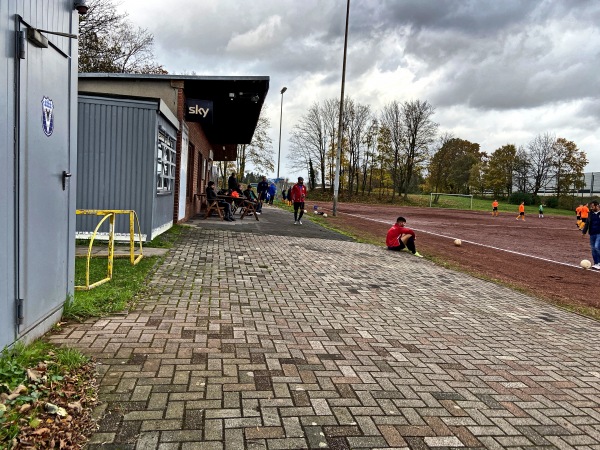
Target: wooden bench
249,208
214,206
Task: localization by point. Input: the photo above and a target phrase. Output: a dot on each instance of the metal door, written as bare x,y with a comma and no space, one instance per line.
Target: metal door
43,98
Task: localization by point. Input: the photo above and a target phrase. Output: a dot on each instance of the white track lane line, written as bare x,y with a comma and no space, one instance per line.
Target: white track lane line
471,242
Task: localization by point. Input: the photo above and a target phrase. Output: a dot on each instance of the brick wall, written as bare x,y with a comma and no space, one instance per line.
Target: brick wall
200,145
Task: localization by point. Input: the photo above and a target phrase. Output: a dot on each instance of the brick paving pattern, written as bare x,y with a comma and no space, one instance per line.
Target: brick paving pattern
276,342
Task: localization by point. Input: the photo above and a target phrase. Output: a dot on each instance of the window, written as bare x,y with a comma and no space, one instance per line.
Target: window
165,162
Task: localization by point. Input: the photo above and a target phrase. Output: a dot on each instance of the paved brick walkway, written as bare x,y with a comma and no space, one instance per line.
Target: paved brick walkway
273,342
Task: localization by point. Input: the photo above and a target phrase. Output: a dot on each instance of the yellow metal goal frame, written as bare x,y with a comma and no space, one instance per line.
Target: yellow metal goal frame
110,214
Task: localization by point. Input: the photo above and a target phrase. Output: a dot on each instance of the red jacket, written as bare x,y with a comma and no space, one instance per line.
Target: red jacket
298,193
395,233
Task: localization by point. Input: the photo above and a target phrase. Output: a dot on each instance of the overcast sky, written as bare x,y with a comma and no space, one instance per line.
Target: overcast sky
497,71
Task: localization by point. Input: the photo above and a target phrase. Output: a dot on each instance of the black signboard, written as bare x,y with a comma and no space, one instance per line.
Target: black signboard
199,111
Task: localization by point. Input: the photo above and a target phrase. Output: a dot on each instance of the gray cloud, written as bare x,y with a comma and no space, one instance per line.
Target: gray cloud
474,58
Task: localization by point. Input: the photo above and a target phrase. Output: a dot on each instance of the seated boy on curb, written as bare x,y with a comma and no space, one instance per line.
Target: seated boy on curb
399,237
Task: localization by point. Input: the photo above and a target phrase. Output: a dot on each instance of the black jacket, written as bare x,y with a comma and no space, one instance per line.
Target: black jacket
232,183
211,194
263,186
592,223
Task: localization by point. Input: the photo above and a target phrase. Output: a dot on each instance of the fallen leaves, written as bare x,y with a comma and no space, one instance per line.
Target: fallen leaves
58,414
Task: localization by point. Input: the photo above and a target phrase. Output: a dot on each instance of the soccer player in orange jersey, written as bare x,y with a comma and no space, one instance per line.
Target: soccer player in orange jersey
495,208
521,211
584,214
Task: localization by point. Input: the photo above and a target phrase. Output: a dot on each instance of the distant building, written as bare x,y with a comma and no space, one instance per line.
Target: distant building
590,188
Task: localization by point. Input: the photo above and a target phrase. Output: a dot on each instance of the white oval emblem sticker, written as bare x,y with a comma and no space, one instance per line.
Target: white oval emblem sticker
47,116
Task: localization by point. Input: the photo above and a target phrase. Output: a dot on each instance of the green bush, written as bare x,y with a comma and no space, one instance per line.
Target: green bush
570,202
517,197
551,202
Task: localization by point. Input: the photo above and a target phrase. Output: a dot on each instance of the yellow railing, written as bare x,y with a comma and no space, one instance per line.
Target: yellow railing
110,214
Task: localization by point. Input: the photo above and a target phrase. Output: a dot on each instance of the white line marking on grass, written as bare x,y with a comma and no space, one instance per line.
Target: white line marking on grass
471,242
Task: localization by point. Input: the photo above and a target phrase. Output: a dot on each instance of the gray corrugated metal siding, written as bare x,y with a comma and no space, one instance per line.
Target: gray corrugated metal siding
116,161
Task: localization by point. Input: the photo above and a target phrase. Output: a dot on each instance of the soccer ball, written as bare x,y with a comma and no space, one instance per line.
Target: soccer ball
324,214
315,211
586,264
457,242
305,211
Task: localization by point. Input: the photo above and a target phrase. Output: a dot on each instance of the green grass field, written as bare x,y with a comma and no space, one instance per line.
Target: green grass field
423,200
486,205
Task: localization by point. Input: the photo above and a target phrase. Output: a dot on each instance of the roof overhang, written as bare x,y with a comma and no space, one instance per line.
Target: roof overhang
236,101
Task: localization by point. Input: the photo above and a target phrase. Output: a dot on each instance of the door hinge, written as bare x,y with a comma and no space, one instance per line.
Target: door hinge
20,311
21,45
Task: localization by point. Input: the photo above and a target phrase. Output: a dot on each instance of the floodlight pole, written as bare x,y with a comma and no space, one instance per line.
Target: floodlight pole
280,120
336,183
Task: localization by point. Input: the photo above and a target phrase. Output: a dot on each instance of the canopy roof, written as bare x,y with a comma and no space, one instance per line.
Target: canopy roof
237,101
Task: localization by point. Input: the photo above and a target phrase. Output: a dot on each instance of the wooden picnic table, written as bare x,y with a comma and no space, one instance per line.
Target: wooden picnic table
248,206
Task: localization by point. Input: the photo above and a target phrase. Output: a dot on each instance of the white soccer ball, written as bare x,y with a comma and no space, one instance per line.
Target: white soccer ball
315,211
324,214
305,211
586,264
457,242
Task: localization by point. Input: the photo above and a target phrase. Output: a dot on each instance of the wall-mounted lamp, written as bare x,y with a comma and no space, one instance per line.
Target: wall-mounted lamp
36,38
81,6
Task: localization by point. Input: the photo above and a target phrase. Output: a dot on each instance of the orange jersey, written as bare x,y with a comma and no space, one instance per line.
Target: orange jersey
521,208
578,210
494,204
584,212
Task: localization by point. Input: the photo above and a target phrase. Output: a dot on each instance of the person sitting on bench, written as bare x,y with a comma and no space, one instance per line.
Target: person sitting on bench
251,196
211,196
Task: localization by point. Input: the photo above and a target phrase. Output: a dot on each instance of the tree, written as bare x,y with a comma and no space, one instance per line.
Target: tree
477,180
436,170
312,176
500,169
420,133
568,163
385,159
370,155
109,43
356,119
450,167
309,142
391,121
466,155
521,170
540,153
330,115
259,152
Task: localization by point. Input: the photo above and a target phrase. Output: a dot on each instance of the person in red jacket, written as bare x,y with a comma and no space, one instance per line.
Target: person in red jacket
297,196
400,237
